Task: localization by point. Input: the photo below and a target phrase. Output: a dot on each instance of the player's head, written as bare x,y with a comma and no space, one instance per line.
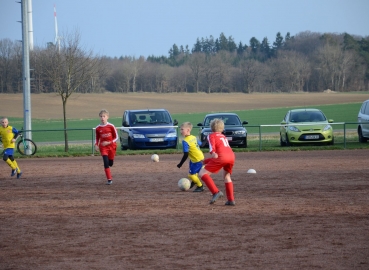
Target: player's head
186,128
4,122
104,116
217,125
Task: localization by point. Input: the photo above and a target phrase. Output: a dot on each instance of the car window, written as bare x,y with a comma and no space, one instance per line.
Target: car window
232,120
307,116
366,111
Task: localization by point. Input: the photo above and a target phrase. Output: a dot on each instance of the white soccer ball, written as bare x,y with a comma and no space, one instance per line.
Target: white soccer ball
251,171
184,184
155,158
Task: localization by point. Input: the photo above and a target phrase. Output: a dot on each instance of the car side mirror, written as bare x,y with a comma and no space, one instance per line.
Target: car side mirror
245,123
175,122
199,124
125,124
330,121
283,123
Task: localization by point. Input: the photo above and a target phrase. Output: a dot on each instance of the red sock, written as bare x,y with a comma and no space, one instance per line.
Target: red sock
210,183
108,174
229,191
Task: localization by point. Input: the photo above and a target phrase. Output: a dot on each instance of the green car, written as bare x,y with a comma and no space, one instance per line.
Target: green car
306,126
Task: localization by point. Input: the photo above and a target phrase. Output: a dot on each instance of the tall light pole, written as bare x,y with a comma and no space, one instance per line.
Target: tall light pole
26,74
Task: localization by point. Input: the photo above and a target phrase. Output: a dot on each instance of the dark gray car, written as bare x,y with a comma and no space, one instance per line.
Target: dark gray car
234,130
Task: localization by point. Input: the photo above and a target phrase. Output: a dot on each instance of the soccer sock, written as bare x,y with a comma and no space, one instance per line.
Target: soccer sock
229,191
194,178
210,183
16,166
11,164
108,174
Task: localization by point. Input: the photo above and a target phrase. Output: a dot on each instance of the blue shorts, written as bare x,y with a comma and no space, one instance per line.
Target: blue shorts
195,167
9,151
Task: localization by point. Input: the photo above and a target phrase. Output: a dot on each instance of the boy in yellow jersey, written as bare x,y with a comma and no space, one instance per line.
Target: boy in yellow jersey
191,149
8,136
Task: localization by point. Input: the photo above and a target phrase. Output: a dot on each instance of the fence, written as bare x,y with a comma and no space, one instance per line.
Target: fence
260,137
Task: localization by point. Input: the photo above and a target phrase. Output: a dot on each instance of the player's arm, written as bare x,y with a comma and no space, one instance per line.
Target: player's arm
115,134
16,133
186,148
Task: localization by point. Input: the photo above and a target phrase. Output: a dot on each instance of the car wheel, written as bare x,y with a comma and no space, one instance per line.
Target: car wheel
361,138
287,141
131,144
332,142
281,142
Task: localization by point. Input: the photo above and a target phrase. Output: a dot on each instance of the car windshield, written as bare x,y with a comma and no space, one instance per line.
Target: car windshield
149,118
307,116
227,119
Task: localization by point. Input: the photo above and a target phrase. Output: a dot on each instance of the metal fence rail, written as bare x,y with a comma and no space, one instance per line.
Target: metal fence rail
259,136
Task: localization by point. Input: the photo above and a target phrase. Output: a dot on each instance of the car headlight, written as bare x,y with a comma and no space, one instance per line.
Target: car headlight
293,128
172,135
138,136
239,132
327,127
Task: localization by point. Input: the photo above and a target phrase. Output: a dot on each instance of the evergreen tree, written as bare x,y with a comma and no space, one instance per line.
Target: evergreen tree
265,48
197,47
223,43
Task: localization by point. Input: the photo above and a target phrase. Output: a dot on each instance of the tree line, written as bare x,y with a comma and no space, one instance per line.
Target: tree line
306,62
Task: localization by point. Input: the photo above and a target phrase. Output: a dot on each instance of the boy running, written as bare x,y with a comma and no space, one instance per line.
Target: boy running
191,149
8,136
222,156
106,137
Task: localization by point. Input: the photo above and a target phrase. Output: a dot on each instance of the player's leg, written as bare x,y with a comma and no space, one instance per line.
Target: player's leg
107,169
9,159
193,176
111,155
204,173
228,184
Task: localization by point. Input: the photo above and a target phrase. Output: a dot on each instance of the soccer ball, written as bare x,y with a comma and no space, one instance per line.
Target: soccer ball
251,171
184,184
155,158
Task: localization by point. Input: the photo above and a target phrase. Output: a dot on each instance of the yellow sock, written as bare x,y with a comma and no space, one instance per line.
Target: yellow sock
16,166
194,178
11,164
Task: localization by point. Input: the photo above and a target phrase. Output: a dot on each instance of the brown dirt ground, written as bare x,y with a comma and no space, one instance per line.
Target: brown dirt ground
301,210
49,106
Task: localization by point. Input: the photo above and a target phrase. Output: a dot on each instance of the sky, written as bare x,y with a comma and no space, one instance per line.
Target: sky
137,28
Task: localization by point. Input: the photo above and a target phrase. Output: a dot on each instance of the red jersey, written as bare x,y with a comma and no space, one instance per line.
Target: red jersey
218,143
107,133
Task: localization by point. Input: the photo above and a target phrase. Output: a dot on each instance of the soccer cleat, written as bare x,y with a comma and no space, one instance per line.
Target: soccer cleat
230,203
216,196
199,189
192,184
19,175
13,172
109,182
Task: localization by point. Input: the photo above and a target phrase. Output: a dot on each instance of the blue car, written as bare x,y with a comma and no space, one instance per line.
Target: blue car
148,129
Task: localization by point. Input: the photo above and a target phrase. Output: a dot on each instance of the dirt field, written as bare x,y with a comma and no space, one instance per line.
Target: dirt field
301,210
49,106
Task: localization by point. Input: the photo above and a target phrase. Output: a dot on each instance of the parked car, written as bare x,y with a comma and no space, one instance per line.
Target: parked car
148,129
234,130
302,126
363,120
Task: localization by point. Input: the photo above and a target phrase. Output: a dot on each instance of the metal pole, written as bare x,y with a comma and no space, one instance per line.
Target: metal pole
26,74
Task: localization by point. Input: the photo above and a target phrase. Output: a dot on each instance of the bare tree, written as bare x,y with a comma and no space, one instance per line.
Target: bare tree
196,64
69,69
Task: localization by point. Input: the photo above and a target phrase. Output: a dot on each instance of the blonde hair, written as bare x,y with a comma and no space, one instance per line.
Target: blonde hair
103,112
187,125
217,125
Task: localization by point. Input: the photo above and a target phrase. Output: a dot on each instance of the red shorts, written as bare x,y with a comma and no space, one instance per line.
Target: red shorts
109,150
214,165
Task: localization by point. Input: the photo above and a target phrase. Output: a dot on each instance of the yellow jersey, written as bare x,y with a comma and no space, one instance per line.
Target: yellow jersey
190,144
7,134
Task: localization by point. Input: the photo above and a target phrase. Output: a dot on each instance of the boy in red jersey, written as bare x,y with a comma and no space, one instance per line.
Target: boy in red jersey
106,137
222,156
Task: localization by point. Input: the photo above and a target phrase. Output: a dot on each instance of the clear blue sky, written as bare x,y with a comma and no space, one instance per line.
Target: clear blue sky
151,27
